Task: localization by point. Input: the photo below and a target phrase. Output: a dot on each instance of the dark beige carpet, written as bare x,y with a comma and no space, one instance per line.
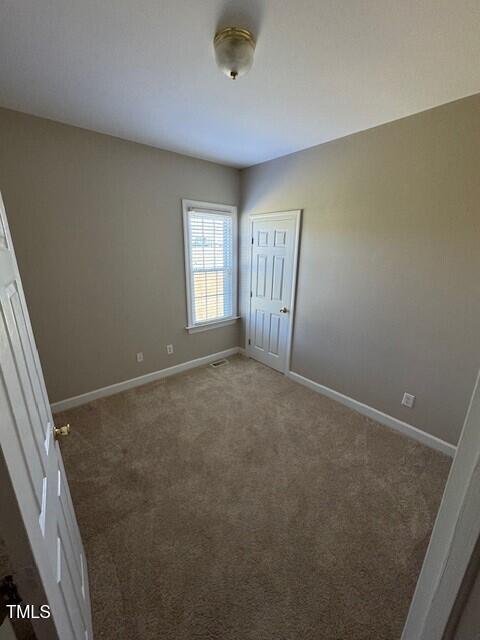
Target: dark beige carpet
234,504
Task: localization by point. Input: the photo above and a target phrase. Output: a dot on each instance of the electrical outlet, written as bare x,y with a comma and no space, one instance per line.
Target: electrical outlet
140,356
169,349
408,400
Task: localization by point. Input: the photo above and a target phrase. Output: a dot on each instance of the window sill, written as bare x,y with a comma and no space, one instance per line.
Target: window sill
216,324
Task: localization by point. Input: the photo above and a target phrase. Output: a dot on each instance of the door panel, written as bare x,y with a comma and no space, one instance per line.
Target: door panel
274,335
277,278
261,275
33,459
272,276
258,331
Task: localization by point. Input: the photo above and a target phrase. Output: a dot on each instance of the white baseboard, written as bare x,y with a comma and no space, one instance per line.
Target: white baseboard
112,389
389,421
370,412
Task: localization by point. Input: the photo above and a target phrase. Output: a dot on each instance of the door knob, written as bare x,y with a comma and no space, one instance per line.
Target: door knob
60,432
284,310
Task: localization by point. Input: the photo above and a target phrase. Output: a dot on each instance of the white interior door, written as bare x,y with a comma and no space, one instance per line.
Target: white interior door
33,460
274,249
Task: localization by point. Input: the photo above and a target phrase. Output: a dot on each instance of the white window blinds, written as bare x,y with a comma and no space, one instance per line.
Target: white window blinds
210,265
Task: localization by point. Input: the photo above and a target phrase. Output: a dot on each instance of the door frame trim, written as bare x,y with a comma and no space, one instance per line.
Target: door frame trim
296,216
454,538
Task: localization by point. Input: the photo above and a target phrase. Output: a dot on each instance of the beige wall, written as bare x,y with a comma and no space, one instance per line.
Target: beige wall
97,227
389,273
389,286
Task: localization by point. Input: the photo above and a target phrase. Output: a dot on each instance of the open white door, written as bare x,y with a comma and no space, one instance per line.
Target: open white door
31,460
273,269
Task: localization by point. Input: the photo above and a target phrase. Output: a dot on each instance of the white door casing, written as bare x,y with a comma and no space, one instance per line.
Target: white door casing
33,461
274,248
454,537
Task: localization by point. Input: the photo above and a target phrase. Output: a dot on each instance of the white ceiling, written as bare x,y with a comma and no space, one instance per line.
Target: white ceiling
144,69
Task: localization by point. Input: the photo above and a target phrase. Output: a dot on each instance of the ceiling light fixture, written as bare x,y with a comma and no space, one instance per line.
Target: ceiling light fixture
234,50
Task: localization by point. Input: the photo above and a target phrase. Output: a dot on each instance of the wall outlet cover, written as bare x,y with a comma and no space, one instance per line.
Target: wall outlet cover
169,349
408,400
140,356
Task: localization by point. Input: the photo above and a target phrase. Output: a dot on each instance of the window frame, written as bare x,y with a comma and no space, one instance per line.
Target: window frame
213,208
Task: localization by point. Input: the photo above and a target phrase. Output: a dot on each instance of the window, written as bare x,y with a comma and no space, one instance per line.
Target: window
210,232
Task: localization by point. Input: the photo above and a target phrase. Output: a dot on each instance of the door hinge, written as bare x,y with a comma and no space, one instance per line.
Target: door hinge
249,341
251,294
252,240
